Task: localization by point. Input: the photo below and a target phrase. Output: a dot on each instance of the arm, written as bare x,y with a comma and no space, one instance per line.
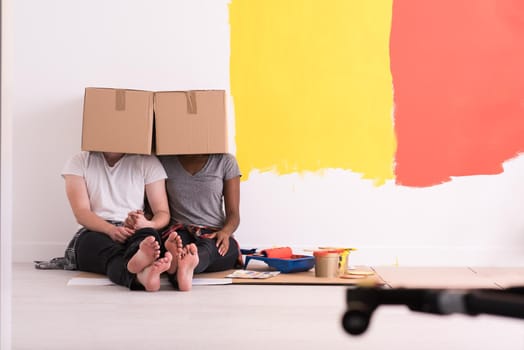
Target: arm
232,204
76,191
157,198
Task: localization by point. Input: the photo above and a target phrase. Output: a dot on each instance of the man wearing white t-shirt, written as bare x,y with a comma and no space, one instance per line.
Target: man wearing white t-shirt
105,189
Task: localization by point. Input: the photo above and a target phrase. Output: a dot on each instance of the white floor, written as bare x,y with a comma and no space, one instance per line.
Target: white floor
47,314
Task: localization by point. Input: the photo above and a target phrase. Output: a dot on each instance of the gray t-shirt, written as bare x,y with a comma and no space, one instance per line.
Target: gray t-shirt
198,199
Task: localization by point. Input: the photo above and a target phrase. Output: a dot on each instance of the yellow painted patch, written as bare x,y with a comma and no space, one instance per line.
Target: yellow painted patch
312,87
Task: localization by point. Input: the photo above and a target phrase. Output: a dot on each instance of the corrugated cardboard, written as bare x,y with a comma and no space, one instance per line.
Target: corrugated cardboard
190,122
118,120
185,122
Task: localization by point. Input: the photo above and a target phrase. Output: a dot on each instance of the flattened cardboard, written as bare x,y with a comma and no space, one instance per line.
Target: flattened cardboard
208,278
190,122
118,120
433,277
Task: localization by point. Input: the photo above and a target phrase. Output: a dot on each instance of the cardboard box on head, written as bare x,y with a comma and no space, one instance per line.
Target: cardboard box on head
190,122
117,120
147,122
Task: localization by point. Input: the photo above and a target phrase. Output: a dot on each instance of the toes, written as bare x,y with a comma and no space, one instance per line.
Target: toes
192,249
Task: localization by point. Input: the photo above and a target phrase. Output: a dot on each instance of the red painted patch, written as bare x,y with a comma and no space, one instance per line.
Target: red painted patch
458,77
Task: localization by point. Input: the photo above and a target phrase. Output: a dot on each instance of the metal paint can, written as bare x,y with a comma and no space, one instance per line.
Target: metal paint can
326,263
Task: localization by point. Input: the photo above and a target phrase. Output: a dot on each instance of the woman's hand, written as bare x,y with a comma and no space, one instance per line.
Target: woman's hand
222,241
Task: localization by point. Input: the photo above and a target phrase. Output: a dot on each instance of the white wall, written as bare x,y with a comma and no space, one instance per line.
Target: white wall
62,46
6,176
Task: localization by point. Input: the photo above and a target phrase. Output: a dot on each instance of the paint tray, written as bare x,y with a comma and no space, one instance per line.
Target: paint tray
296,263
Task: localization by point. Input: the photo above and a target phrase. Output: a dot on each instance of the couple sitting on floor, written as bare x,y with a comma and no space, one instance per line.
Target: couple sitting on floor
188,231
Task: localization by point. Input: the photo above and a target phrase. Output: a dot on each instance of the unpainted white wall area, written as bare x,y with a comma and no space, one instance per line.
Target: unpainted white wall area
63,46
475,220
6,175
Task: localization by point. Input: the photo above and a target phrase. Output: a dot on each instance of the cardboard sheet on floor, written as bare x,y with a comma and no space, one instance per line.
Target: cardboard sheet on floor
300,278
505,277
433,277
214,278
93,279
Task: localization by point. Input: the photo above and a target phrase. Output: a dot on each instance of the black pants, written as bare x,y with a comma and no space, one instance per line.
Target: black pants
97,252
209,259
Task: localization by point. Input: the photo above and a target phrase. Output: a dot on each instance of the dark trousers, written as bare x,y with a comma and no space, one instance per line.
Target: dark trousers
97,252
209,260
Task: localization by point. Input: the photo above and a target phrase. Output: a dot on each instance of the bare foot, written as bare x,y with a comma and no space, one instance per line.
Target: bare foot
186,266
174,246
150,276
148,252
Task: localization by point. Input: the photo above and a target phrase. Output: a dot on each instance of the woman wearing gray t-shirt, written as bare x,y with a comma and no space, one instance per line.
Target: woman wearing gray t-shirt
204,195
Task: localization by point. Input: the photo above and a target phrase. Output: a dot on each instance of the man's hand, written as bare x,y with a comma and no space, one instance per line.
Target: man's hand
120,233
136,220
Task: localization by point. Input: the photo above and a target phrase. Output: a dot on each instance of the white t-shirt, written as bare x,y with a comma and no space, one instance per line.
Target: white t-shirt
117,190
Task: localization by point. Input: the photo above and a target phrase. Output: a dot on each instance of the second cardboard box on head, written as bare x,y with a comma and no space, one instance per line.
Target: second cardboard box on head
148,122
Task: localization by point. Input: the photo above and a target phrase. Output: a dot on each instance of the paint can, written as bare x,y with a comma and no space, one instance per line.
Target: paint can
326,263
343,263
